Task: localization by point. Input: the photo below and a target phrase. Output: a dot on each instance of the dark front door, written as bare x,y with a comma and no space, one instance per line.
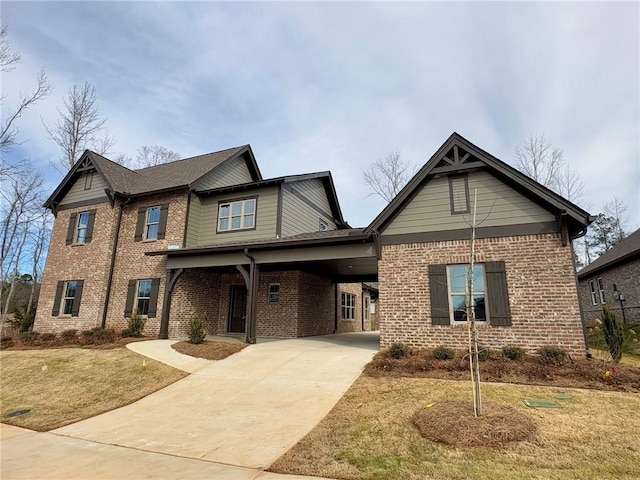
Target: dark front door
237,309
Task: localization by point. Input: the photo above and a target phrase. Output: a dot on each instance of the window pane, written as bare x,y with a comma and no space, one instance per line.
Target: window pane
71,289
83,220
481,312
81,235
68,306
478,278
459,303
152,232
224,210
153,215
143,306
248,221
224,224
458,278
144,288
235,222
249,206
236,208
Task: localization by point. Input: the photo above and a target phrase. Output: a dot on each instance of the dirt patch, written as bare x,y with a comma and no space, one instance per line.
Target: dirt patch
453,423
531,370
208,350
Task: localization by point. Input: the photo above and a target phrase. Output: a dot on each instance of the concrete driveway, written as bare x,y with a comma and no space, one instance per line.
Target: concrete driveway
246,410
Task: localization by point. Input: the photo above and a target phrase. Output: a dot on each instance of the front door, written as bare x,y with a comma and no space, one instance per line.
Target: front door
237,309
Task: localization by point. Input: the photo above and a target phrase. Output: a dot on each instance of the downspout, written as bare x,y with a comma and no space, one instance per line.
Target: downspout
114,249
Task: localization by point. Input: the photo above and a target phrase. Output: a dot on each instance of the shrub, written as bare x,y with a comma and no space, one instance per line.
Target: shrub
87,334
28,338
103,335
443,353
135,327
552,355
70,334
613,333
399,350
513,353
6,342
47,337
483,353
196,329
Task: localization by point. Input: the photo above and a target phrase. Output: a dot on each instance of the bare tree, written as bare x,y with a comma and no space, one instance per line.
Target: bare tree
543,162
387,176
8,129
152,155
79,127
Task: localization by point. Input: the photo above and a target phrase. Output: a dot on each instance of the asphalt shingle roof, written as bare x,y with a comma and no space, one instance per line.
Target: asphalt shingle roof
627,247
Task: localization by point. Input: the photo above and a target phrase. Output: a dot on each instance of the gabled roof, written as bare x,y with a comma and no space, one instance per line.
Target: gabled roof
627,249
458,154
325,177
168,176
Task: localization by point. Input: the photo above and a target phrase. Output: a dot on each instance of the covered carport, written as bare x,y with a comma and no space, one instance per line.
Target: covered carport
341,256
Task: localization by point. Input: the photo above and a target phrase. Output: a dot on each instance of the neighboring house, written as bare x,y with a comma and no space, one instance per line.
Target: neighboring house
525,290
275,257
612,277
117,231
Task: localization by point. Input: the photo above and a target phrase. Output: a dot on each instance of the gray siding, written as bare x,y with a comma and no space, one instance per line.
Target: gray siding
231,172
498,205
266,213
193,225
297,215
77,192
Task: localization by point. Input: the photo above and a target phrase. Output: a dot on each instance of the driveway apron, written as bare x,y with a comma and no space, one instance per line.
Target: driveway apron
246,410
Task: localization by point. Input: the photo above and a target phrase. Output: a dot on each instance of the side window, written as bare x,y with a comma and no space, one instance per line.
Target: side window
80,230
592,290
458,278
601,290
237,215
274,293
68,297
152,222
142,297
348,306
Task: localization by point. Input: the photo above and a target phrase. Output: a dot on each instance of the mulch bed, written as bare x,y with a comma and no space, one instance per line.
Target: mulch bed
209,350
79,342
453,423
575,373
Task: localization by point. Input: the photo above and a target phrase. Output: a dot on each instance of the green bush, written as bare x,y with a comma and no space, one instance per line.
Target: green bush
135,326
197,329
483,353
87,335
552,355
23,320
399,350
443,353
513,353
47,337
70,334
29,338
613,333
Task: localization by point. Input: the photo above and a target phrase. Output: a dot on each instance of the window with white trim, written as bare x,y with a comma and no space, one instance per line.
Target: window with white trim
69,297
457,280
238,215
592,288
143,296
601,290
367,304
348,306
152,223
274,293
81,227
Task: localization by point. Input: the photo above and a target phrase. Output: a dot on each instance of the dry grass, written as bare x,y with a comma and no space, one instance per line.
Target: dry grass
369,435
209,350
76,383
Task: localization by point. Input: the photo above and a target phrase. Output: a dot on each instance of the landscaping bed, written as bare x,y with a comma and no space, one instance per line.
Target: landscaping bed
208,350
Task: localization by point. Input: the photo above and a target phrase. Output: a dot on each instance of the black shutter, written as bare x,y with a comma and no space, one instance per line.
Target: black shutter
131,295
439,295
92,219
497,294
162,227
71,230
56,301
75,308
153,299
142,214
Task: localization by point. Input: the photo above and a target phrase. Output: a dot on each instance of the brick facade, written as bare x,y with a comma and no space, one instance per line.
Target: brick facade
541,286
626,277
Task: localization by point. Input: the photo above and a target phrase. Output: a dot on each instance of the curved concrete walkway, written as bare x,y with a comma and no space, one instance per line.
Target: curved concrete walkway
246,410
161,351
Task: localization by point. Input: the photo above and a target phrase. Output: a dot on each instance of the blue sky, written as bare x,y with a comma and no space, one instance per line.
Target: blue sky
334,86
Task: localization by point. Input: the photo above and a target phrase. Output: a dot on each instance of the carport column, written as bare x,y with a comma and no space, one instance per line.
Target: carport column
172,278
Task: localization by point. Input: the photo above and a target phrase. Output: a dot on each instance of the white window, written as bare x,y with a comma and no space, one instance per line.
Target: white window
69,297
348,306
601,289
324,226
237,215
143,296
457,280
152,223
81,227
592,288
274,293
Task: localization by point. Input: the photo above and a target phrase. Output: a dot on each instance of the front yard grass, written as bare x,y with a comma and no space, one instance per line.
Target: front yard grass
369,435
62,386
